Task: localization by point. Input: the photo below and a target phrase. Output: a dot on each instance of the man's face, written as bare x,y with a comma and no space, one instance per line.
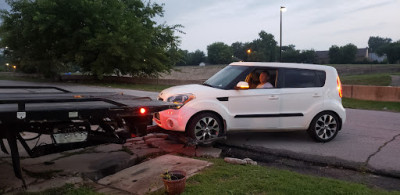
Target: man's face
264,77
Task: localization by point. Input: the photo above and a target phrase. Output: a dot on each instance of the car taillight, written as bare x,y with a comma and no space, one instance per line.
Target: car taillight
339,86
142,110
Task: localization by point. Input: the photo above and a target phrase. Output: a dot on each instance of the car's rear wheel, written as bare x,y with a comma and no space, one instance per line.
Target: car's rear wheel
324,127
205,127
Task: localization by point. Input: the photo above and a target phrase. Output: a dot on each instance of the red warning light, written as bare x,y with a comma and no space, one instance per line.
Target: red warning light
142,110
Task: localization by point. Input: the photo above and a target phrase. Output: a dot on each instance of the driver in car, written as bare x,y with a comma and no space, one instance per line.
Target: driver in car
264,77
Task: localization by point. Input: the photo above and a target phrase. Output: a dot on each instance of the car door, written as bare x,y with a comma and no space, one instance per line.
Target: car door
255,109
301,95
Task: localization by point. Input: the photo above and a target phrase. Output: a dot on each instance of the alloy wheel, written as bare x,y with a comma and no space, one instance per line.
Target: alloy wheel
206,128
326,127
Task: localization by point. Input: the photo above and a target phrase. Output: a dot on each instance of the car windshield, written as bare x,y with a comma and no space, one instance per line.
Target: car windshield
225,76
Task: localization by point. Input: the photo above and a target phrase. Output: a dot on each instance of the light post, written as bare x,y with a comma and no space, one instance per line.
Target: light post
248,54
283,9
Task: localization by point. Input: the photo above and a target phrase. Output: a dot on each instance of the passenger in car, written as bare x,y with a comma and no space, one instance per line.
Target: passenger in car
264,77
253,80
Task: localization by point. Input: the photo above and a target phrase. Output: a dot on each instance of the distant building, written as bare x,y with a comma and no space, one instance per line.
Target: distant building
361,55
202,64
375,57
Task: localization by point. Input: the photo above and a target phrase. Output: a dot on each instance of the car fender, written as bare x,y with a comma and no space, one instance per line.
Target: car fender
216,106
337,107
312,112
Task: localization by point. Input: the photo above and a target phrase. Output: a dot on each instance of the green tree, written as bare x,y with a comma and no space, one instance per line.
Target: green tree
196,57
342,55
348,53
392,51
308,56
334,55
290,54
2,62
178,56
100,36
264,48
376,43
239,51
191,58
219,53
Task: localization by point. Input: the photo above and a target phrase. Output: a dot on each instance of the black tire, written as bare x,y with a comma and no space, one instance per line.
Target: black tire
324,127
204,126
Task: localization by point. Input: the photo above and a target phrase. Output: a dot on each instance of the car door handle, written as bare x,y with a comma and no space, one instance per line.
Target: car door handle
316,95
272,97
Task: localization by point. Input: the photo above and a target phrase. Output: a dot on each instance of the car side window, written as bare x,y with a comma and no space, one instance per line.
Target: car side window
303,78
322,77
268,79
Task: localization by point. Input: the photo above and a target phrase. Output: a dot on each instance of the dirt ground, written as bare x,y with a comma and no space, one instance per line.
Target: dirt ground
192,72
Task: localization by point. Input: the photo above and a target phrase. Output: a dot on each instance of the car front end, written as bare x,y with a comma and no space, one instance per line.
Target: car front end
176,118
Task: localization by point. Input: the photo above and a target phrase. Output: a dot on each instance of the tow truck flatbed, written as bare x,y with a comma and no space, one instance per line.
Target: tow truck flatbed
37,106
69,117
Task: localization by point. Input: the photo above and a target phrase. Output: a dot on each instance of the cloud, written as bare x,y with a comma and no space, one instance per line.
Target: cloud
307,24
373,6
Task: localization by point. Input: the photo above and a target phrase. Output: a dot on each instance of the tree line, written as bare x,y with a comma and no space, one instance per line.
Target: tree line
262,49
121,37
383,46
265,49
379,45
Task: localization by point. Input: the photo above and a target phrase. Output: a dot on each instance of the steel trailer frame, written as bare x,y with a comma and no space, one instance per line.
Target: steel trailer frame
66,111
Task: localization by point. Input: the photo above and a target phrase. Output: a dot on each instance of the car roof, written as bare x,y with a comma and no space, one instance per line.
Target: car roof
283,65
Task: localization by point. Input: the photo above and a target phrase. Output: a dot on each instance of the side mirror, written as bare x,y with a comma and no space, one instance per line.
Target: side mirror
242,85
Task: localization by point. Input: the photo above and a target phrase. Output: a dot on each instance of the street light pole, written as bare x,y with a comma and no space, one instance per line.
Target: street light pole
283,9
248,54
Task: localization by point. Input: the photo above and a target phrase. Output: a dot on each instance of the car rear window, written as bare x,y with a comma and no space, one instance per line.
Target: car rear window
303,78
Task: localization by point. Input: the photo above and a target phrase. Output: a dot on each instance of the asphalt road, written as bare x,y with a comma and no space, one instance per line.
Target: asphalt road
369,139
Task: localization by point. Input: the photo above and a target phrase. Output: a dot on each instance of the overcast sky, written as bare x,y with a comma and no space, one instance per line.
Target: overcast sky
308,24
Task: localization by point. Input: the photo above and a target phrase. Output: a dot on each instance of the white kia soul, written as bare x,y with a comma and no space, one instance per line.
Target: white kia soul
256,96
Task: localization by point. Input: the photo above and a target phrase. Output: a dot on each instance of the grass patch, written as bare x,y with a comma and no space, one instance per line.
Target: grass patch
371,105
67,189
224,178
143,87
21,78
383,79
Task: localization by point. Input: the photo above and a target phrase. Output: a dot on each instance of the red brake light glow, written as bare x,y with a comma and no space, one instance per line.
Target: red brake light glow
339,87
142,110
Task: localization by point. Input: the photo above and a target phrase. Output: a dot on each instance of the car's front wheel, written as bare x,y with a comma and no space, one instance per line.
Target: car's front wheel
324,127
205,127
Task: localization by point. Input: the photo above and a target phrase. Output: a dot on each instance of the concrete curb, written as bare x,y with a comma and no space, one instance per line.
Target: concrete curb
314,159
